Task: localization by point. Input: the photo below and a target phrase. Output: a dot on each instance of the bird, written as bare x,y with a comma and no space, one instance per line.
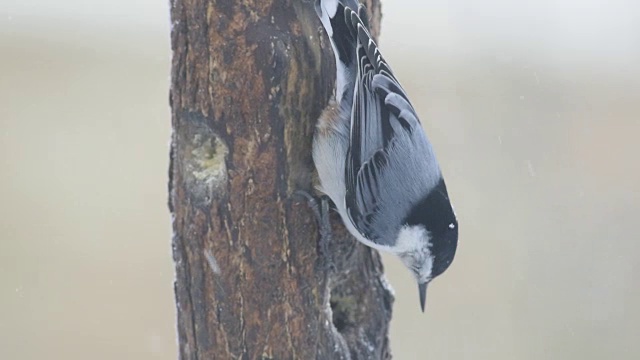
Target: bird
373,158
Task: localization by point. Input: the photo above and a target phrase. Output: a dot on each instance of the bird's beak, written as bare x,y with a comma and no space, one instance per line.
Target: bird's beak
422,290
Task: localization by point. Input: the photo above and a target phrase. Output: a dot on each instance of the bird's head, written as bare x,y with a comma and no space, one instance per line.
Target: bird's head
428,239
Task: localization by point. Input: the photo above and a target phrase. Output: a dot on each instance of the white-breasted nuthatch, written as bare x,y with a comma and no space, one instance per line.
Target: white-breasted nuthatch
373,157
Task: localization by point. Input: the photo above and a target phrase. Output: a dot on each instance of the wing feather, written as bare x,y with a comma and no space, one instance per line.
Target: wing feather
381,113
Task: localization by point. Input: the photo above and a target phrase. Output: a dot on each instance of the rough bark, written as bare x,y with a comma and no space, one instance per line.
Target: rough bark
249,80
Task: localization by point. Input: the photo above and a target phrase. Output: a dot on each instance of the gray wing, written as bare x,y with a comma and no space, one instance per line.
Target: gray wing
382,117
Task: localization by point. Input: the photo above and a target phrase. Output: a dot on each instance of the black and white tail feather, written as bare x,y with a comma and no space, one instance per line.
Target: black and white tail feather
374,159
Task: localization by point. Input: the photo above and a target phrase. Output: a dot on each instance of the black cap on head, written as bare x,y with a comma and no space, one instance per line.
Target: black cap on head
435,213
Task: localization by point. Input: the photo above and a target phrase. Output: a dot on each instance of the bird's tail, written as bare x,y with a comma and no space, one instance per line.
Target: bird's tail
340,19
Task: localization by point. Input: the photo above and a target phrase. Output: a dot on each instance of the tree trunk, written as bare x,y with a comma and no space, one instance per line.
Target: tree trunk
249,80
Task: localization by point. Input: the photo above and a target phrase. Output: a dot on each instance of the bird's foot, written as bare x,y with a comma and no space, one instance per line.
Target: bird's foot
320,207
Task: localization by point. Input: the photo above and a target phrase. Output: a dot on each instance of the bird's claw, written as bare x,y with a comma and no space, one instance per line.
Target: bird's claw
320,207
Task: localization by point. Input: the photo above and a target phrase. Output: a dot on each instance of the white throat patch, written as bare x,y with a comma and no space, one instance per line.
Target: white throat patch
411,239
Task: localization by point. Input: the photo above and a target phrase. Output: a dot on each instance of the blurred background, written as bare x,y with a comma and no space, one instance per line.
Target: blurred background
534,109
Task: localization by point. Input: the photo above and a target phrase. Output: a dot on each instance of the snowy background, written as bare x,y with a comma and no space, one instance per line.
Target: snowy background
534,109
